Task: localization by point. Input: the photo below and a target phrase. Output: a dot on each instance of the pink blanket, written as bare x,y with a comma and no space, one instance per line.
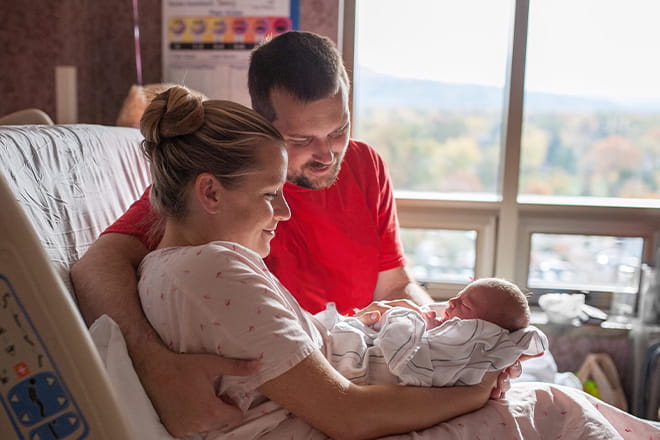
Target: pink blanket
540,411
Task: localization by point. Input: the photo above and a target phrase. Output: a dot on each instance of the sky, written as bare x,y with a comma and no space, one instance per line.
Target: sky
598,48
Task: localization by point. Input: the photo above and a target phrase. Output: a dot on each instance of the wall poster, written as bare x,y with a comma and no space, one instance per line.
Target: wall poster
207,43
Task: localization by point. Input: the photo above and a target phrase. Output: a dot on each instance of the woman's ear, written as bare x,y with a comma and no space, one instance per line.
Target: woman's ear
208,190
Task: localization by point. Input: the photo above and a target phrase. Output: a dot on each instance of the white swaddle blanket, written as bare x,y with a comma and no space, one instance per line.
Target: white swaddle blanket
402,350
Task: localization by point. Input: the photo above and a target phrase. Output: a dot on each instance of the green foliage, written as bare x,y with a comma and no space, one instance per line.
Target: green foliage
608,154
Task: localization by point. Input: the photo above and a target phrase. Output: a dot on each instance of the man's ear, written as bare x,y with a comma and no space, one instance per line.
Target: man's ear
208,191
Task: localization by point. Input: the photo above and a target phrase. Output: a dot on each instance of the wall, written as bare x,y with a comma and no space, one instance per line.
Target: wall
97,38
570,346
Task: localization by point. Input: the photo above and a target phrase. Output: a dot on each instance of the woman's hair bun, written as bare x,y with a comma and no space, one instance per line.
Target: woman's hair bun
175,112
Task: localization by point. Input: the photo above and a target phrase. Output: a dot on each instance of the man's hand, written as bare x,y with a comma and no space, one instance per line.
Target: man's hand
182,389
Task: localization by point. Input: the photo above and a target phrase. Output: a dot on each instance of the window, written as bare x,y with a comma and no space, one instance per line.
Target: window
514,125
440,255
428,91
585,262
592,100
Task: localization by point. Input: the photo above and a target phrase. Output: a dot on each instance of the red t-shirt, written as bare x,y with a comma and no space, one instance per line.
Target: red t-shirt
337,240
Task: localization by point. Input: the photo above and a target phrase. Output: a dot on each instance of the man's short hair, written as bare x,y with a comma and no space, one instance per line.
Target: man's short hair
306,65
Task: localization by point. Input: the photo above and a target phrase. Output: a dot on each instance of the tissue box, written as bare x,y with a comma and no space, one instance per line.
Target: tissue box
562,308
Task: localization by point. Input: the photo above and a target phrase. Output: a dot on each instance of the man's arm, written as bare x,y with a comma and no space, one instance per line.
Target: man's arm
398,284
111,264
181,387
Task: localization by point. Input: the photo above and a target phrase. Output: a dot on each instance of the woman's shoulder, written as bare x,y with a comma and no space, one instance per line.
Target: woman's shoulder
231,255
217,255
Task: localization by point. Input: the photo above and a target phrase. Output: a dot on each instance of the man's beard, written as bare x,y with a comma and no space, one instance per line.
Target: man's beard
321,182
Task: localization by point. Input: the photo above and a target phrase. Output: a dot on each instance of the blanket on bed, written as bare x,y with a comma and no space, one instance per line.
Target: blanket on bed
534,410
530,411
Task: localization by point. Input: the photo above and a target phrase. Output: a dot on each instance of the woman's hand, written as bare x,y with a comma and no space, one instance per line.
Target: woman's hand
373,312
490,384
511,372
504,380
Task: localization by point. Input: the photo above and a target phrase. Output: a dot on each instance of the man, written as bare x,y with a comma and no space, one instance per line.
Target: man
341,245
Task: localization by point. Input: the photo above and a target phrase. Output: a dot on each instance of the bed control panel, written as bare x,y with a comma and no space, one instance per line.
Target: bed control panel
32,392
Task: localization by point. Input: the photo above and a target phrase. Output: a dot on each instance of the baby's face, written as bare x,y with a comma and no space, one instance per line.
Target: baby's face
468,304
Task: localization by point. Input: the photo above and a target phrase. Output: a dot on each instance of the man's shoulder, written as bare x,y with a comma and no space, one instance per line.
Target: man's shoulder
362,148
358,153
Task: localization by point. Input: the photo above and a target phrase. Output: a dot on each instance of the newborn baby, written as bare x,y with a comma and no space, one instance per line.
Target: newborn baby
483,328
491,299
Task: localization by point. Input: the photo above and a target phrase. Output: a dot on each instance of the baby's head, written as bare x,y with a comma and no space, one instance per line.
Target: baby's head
491,299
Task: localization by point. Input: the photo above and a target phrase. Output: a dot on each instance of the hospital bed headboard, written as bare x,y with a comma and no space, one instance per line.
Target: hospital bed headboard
52,382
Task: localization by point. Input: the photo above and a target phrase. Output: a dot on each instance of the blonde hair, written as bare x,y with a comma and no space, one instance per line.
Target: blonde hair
185,136
138,99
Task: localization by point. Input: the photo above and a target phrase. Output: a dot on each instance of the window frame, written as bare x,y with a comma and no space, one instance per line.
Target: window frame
510,220
456,215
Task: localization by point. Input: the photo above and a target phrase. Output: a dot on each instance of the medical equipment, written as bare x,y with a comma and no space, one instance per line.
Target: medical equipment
52,381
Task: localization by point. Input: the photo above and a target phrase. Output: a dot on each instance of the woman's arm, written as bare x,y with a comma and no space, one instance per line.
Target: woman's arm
318,394
181,387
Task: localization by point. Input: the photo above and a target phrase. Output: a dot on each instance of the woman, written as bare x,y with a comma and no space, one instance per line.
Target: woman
218,170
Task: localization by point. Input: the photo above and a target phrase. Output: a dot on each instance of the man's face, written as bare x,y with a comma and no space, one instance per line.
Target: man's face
316,135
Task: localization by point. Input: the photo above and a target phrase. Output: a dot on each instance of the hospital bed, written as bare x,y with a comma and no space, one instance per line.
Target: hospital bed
60,186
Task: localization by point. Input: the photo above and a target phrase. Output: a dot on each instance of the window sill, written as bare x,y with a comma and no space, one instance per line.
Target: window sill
611,328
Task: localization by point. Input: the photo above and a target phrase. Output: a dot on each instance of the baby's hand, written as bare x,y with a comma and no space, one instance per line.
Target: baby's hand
431,319
371,314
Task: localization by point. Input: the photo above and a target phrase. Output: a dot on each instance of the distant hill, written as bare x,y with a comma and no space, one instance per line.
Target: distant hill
385,91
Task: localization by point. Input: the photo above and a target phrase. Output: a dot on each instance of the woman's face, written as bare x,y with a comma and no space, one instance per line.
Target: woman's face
249,214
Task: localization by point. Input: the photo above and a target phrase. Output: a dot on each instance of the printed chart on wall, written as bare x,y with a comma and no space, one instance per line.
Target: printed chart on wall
207,43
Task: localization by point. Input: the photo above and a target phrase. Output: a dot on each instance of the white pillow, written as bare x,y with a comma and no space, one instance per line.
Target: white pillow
133,400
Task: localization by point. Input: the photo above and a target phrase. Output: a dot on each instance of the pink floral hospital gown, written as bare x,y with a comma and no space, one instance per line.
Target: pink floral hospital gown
220,298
